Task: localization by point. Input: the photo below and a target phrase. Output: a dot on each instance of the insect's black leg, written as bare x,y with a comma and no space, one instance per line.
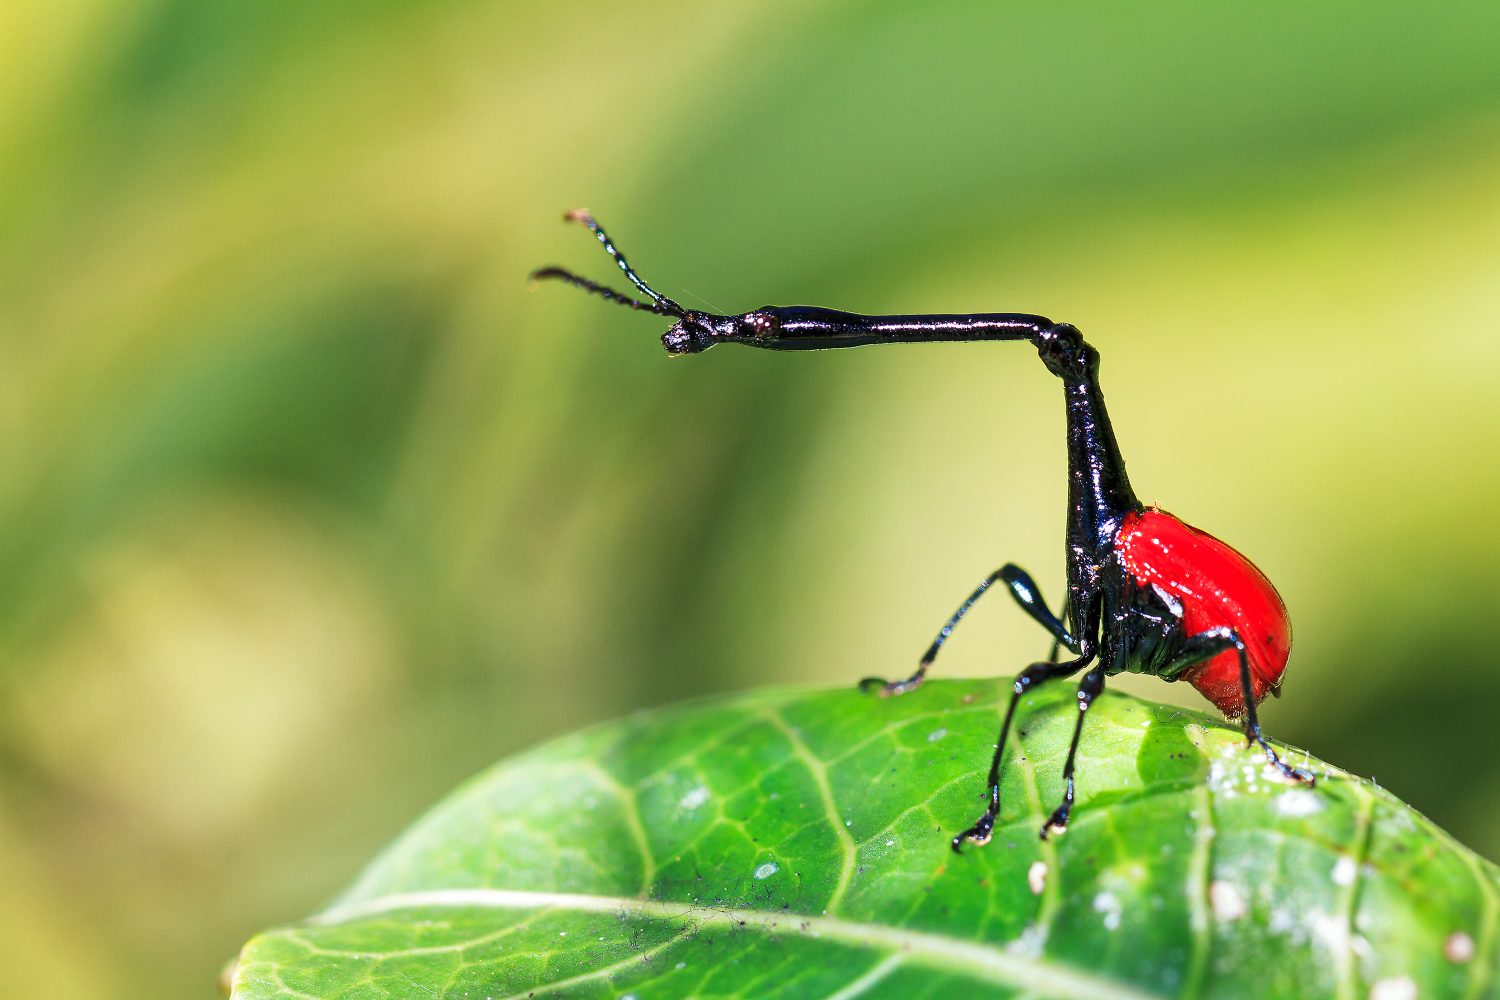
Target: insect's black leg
1252,721
1207,645
1057,643
1022,587
1088,689
1035,674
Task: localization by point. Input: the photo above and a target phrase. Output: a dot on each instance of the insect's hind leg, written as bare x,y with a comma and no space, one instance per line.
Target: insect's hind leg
1033,675
1205,646
1022,587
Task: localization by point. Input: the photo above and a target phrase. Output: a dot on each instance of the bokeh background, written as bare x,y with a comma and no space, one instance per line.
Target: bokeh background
310,507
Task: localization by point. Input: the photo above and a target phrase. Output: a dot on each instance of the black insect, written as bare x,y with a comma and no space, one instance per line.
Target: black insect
1146,593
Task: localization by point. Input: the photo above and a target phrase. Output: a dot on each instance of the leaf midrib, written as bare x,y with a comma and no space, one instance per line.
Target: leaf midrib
976,960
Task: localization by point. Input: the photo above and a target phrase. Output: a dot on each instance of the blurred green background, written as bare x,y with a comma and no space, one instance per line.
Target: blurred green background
310,507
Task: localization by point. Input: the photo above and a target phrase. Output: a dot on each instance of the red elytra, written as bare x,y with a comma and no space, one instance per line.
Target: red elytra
1218,588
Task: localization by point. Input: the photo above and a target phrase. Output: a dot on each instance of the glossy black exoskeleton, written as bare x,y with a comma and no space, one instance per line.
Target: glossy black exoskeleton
1146,593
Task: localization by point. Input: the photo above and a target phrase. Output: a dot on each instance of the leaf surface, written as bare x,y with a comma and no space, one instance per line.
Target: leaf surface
796,843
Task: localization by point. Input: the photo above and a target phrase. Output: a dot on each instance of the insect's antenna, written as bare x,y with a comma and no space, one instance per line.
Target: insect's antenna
581,215
562,274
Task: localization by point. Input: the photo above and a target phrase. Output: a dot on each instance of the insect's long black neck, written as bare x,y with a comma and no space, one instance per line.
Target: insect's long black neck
813,328
1099,493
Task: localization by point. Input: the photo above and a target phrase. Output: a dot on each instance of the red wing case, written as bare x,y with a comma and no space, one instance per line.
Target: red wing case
1217,587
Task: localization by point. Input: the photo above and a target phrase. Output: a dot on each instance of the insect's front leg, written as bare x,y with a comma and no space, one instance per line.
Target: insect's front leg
1033,675
1022,587
1057,642
1089,688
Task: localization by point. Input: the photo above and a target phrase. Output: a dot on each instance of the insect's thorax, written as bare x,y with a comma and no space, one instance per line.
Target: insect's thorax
1143,625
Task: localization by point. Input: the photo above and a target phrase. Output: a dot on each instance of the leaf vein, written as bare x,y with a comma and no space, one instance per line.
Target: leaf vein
1344,959
632,814
849,850
1199,878
1484,953
871,978
607,971
976,960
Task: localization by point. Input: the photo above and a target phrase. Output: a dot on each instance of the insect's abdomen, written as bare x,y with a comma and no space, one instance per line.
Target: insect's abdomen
1217,587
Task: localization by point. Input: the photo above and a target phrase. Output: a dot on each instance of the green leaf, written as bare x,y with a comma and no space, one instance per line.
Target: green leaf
796,843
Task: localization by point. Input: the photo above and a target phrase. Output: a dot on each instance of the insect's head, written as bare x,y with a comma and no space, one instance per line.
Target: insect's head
693,333
696,332
687,336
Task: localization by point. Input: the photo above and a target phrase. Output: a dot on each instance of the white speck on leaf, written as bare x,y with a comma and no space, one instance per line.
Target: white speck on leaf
1030,942
1298,802
936,735
1284,923
1036,877
890,842
694,799
680,965
1458,947
1402,820
1107,904
1226,900
1344,871
766,870
1398,988
1331,929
